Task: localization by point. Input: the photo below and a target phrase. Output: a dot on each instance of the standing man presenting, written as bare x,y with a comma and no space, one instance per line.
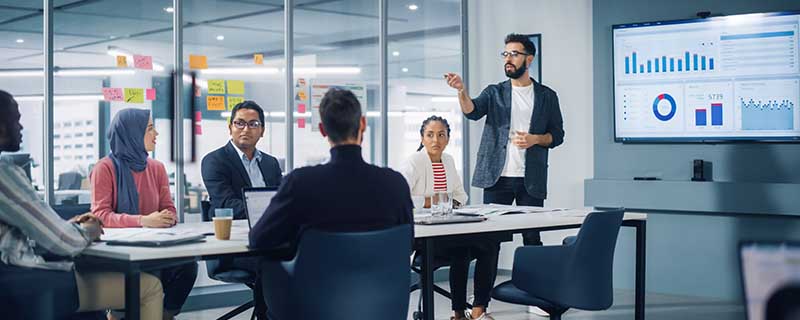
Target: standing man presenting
523,121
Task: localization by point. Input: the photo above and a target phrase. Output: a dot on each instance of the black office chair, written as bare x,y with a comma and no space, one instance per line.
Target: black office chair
342,275
222,270
70,180
577,274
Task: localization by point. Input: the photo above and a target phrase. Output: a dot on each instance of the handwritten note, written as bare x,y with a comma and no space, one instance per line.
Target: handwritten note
215,103
143,62
113,94
134,95
198,62
235,87
150,94
233,101
216,86
122,62
258,58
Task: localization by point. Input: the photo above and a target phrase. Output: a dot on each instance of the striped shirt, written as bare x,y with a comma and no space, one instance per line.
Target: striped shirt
439,178
28,225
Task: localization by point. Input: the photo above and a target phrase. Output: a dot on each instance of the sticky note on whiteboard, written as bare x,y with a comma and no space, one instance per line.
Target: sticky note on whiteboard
258,58
215,103
233,101
216,86
235,87
122,62
150,94
198,62
113,94
143,62
301,123
134,95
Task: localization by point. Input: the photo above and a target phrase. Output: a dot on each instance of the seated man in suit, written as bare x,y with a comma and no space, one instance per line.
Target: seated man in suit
239,164
345,194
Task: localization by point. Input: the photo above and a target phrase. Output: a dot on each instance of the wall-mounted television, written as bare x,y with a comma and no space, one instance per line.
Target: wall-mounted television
731,78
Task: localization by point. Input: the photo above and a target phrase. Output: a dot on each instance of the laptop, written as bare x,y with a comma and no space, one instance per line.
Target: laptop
453,218
770,278
256,202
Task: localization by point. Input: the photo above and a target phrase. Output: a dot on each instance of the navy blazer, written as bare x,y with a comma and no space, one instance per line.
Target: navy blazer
494,102
345,194
225,177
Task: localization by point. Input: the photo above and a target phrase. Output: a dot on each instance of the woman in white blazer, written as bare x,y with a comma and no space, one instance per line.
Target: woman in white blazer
431,170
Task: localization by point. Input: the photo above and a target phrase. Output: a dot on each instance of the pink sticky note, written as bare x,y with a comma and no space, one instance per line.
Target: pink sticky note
198,129
301,123
151,94
198,116
142,62
301,108
113,94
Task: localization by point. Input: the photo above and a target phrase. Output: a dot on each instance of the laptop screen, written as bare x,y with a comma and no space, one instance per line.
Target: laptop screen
770,272
256,202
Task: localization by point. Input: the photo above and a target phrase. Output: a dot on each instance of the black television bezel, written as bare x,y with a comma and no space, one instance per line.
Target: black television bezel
688,140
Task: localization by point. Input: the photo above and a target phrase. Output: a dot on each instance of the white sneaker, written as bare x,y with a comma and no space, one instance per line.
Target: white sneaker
484,316
537,311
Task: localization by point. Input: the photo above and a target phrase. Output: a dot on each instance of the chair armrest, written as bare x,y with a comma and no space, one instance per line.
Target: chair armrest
538,270
569,240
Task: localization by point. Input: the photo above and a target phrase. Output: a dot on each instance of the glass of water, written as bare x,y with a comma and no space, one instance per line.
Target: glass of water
441,204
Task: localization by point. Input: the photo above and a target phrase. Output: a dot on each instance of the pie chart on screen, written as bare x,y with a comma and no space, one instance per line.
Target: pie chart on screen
664,107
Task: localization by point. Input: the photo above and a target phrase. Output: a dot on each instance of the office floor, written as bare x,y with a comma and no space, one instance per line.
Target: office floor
659,307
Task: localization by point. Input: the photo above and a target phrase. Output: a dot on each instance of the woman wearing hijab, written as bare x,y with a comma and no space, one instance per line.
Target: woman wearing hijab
131,190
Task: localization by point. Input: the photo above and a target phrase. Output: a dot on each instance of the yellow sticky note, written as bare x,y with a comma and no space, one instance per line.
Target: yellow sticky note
233,101
215,103
258,58
235,87
122,62
198,62
216,86
134,95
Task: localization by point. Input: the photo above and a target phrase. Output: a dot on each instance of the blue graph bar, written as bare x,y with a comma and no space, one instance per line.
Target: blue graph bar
695,62
649,66
716,114
710,63
703,62
700,117
633,62
680,65
671,64
769,115
686,58
641,68
627,65
657,64
758,35
664,63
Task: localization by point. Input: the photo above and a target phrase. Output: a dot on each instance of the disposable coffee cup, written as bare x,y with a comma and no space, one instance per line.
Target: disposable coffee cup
223,220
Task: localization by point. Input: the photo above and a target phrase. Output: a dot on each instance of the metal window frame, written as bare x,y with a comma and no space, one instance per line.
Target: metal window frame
383,18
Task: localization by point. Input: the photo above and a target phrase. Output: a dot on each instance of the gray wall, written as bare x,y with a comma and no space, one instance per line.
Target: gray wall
688,254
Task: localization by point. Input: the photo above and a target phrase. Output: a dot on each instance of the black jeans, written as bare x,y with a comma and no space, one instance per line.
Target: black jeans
177,282
505,191
29,293
485,251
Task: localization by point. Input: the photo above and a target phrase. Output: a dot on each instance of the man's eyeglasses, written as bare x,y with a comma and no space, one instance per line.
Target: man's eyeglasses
513,54
240,124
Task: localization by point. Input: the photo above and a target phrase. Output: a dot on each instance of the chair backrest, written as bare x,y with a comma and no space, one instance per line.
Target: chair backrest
588,282
69,181
364,274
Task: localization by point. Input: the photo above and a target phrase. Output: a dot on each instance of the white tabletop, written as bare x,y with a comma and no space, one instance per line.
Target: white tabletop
238,242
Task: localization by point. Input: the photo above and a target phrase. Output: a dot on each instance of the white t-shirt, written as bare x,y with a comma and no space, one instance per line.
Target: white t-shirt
521,111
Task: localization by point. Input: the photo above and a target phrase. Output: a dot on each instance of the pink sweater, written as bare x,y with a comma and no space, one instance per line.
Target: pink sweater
152,184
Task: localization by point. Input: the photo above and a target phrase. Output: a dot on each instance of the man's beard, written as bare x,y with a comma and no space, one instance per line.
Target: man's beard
518,72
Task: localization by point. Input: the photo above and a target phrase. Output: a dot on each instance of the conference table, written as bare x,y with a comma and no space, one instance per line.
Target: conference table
133,260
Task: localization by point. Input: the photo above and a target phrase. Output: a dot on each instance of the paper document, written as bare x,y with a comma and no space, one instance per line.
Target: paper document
145,234
489,210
